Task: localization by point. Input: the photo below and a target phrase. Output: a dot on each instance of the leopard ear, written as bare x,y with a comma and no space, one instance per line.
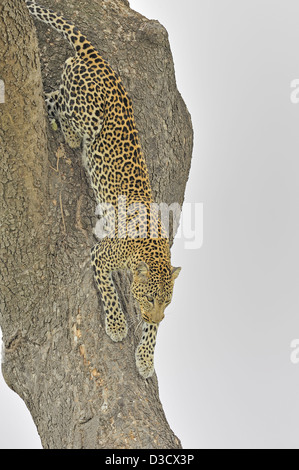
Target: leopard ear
175,272
142,271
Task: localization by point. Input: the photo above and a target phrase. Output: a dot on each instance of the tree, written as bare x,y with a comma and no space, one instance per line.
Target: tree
82,390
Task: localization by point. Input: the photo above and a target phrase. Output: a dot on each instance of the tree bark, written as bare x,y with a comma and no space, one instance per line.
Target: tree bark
82,390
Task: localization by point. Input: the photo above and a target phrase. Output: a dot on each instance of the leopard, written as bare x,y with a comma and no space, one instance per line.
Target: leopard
95,113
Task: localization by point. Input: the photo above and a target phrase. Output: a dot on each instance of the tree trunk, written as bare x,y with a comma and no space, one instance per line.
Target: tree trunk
82,390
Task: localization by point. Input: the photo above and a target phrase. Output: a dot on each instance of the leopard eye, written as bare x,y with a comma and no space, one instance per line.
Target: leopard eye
150,299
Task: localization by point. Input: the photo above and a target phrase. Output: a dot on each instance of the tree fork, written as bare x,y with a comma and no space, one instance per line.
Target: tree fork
82,390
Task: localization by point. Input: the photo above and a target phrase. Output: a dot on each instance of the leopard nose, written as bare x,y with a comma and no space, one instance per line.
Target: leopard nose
159,317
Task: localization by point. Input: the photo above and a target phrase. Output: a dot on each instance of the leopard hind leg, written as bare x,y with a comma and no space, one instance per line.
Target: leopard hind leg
52,108
71,137
54,101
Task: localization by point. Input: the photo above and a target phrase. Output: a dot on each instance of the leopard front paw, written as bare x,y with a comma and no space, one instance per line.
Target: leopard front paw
144,362
116,327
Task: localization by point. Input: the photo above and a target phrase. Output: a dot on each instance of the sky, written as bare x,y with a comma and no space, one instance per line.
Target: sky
226,355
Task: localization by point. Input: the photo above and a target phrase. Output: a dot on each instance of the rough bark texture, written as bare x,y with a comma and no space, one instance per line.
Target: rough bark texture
82,390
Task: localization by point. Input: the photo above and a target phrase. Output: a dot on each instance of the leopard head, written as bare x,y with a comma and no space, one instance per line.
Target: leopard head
152,287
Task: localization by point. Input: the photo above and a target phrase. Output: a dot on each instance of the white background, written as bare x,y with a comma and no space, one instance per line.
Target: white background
223,351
